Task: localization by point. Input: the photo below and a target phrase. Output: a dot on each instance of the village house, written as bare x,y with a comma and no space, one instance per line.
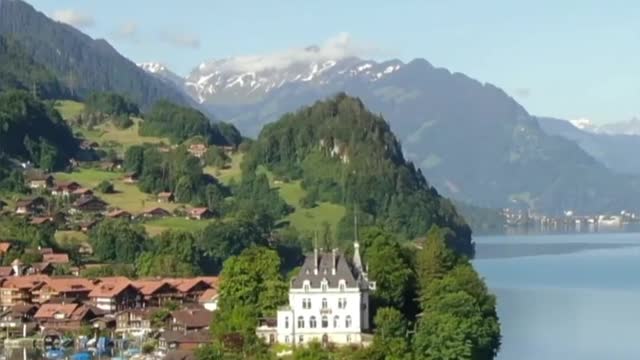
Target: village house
86,226
5,246
64,188
19,289
65,316
116,294
155,213
190,289
209,299
197,150
31,206
186,320
38,180
111,165
328,302
200,213
3,204
88,204
130,178
62,288
166,197
57,258
119,214
39,268
17,321
42,220
81,192
135,322
157,293
175,340
6,271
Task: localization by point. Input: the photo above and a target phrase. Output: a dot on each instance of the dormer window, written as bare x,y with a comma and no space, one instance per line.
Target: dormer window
306,285
324,285
342,285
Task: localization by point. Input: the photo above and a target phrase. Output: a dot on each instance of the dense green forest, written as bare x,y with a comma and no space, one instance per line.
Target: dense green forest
110,104
19,71
347,155
180,123
33,130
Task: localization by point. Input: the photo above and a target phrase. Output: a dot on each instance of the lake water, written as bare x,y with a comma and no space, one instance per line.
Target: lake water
565,296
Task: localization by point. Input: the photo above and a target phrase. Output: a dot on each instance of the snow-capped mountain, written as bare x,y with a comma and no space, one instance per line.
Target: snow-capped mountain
219,81
163,73
630,127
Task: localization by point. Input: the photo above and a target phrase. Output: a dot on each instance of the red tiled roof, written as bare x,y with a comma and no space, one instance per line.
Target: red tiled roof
208,295
185,285
193,318
149,287
198,211
6,271
56,258
5,246
49,310
70,284
110,289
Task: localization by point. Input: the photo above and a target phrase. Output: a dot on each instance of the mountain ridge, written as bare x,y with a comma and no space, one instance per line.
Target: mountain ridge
83,64
472,140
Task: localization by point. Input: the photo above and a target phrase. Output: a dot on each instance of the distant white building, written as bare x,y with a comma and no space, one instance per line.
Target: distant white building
328,302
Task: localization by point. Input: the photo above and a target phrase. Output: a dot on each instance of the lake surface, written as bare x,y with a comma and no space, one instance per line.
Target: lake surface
565,296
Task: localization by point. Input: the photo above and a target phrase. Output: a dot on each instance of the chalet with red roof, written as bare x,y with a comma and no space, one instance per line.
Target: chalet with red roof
201,213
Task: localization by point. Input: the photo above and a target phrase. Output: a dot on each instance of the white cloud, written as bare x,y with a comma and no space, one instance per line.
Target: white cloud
179,39
127,31
334,48
73,18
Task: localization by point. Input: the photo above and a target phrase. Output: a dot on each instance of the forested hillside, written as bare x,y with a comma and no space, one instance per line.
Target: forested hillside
347,155
34,131
84,65
181,123
19,71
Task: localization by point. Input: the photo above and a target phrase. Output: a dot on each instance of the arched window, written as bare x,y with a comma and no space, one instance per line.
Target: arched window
341,286
347,321
325,322
324,303
336,321
306,303
324,286
286,322
300,322
342,303
312,322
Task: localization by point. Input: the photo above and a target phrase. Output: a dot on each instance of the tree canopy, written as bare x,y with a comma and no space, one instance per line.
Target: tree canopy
348,155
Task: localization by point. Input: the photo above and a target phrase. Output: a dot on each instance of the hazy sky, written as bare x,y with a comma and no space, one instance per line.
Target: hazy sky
569,59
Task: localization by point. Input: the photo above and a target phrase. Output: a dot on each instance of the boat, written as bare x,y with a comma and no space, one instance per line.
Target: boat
54,354
83,355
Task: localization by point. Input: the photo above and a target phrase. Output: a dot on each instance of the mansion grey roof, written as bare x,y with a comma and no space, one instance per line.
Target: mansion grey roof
325,266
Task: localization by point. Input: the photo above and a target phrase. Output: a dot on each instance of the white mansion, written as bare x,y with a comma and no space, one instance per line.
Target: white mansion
328,302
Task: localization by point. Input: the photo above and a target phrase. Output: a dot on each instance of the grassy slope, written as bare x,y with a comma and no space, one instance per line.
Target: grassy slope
306,220
226,175
107,133
127,197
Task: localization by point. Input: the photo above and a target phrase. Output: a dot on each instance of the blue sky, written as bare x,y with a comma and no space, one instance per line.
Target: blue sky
569,59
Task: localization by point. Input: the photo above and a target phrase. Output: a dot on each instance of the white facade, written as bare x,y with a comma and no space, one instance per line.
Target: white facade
328,302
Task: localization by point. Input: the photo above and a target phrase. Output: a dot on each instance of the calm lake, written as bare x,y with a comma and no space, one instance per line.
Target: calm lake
565,296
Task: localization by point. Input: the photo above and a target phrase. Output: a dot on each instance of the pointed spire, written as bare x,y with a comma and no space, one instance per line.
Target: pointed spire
357,260
315,254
